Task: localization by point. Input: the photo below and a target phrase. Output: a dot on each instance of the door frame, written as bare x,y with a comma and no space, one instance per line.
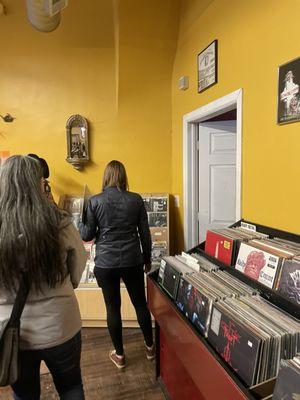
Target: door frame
190,185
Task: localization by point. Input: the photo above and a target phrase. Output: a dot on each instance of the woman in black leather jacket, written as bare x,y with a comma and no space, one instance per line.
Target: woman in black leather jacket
117,219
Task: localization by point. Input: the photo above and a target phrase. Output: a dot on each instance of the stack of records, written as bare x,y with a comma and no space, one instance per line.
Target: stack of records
262,260
169,274
275,245
198,291
288,381
204,264
223,244
252,336
189,260
288,244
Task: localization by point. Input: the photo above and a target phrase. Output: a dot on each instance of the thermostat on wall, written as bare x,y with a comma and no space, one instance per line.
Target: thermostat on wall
53,7
183,83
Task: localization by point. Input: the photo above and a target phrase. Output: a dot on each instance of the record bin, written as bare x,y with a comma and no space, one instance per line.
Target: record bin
269,294
187,365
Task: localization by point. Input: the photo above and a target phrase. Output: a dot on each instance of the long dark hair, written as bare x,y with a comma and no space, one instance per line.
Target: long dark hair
115,175
29,227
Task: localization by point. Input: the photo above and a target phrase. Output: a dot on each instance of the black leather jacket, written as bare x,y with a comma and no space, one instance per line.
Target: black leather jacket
118,220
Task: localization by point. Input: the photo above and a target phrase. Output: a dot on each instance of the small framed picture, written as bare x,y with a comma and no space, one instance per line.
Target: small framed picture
288,97
208,66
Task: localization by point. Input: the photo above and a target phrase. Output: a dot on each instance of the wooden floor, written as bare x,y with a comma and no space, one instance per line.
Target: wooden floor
102,380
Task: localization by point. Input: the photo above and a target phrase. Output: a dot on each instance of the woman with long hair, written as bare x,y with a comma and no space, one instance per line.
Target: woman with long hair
39,240
117,219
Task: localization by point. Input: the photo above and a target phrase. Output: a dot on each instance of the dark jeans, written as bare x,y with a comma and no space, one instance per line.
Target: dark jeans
63,362
133,277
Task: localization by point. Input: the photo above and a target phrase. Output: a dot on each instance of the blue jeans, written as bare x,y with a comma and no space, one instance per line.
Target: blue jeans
63,362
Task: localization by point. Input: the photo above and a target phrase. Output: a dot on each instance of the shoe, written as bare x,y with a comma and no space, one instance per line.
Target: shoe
119,361
150,352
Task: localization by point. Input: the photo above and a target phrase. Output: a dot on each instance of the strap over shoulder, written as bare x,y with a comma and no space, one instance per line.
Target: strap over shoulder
20,301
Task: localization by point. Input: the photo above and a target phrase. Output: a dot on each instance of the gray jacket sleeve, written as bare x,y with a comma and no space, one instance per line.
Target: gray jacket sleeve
144,232
76,254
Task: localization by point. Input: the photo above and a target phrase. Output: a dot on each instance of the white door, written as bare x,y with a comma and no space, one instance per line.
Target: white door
217,175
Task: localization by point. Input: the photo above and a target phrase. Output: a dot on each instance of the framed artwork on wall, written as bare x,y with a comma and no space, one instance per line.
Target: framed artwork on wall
288,96
208,66
77,141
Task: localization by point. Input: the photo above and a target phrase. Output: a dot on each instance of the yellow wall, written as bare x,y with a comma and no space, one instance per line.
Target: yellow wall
121,84
112,61
254,38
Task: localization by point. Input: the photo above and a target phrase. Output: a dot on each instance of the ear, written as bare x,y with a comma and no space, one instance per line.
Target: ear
43,184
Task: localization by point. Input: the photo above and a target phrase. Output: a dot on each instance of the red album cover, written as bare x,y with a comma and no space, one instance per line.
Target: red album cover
219,246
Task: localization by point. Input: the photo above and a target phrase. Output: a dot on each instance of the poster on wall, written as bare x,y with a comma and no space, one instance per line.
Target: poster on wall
288,92
207,66
3,156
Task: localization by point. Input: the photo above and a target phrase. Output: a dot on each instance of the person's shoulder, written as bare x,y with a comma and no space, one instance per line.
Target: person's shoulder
135,196
97,198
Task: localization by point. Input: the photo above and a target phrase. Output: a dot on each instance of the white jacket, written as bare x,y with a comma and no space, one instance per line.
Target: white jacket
52,317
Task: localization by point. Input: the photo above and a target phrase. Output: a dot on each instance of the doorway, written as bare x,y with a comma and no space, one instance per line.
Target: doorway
212,167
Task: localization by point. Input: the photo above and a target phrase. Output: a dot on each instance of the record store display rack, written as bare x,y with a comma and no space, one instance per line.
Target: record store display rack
157,207
90,300
228,316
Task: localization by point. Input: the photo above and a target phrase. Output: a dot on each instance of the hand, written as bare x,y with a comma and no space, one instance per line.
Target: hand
147,267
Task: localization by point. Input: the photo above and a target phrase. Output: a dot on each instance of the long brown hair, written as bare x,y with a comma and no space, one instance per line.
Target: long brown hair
29,227
115,175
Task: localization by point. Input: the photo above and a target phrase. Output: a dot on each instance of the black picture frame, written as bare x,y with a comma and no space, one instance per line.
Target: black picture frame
207,65
288,92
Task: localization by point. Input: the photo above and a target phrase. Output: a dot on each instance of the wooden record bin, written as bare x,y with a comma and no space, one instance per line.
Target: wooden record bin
188,368
89,296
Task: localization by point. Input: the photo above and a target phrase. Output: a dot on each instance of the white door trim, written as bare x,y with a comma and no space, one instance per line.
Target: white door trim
190,185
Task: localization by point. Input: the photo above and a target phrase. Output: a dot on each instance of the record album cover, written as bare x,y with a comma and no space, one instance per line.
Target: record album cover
159,234
157,219
288,382
148,204
159,204
170,280
159,250
258,264
219,246
237,346
194,304
200,310
183,296
289,281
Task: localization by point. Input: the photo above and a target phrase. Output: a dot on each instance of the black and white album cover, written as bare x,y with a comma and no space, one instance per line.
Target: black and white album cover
289,281
288,381
157,219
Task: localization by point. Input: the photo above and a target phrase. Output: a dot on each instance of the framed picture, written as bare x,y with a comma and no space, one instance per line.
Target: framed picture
288,97
208,67
77,141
